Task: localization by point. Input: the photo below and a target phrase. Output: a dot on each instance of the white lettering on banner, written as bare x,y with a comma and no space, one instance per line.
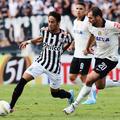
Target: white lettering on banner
12,68
36,23
13,72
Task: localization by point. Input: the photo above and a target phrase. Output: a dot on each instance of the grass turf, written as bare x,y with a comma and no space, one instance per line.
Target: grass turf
36,103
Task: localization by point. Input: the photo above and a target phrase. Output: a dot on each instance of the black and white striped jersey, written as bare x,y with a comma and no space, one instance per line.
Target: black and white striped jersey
53,44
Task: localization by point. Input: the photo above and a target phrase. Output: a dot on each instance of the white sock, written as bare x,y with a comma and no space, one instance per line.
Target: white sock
83,93
111,83
91,94
78,81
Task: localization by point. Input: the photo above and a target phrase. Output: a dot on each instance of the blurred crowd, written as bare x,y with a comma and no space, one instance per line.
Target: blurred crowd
10,9
19,8
16,8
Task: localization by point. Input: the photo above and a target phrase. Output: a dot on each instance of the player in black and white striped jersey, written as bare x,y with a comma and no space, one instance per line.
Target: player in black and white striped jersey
53,47
55,42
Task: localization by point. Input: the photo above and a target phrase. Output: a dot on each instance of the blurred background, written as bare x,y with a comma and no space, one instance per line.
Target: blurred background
21,20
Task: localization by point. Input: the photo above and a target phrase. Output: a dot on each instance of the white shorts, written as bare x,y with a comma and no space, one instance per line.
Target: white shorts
35,69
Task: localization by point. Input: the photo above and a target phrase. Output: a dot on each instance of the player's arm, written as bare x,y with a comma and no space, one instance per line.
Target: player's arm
90,44
68,41
116,27
66,46
32,41
71,47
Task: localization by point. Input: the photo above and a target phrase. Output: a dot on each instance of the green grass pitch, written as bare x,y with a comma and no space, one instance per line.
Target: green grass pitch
36,103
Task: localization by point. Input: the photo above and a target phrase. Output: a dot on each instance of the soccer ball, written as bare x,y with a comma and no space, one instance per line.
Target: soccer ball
4,108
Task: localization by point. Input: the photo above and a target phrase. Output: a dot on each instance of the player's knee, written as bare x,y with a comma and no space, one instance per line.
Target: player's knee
54,94
89,82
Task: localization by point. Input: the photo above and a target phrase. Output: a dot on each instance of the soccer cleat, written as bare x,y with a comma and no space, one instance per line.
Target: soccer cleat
70,109
11,110
89,102
71,99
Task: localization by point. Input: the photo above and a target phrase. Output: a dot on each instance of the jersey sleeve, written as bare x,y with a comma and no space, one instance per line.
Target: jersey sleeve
42,31
68,38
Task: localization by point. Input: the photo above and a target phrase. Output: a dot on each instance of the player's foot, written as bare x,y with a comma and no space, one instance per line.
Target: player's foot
11,110
89,102
71,99
70,109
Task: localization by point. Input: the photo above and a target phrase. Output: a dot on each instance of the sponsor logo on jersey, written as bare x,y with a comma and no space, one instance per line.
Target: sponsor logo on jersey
102,39
78,32
51,47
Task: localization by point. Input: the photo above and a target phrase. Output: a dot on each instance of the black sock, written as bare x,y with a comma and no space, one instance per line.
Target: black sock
17,92
64,94
61,94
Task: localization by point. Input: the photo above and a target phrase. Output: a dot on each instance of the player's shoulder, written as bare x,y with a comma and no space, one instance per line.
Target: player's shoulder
108,22
65,33
75,21
44,29
84,20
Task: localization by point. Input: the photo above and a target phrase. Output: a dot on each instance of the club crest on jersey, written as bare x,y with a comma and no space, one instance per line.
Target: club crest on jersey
102,39
99,33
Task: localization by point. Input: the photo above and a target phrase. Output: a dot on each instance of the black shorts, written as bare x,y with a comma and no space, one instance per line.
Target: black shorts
80,65
104,66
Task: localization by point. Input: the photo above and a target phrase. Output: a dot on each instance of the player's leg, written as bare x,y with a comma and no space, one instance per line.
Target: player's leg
74,70
102,68
98,75
19,88
56,92
31,72
112,83
84,69
60,93
91,78
98,85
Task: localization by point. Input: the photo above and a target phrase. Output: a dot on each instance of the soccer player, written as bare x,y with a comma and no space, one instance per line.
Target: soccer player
55,41
81,63
106,35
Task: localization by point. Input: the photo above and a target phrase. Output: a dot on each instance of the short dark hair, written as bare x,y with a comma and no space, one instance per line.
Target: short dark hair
96,11
56,15
81,3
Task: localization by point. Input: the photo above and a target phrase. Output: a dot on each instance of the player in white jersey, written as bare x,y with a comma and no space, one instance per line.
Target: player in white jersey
81,63
55,41
106,35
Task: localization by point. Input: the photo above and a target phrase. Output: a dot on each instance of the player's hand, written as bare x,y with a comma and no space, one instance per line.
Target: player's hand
85,52
88,51
71,48
91,50
23,45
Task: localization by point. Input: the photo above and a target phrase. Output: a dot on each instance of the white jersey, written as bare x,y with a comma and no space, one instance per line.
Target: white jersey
106,40
81,36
